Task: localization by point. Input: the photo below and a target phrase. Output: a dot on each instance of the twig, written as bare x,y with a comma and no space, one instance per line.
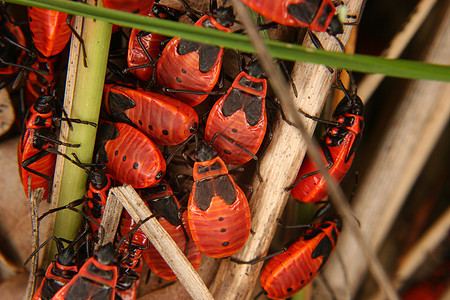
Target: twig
413,132
111,218
242,275
34,200
162,242
370,82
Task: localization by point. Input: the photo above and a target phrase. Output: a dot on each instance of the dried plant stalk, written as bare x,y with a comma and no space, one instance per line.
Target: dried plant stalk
35,199
414,130
162,242
371,81
279,166
111,218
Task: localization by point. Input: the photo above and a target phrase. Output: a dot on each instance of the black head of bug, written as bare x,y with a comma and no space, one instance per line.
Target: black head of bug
224,16
205,152
254,69
44,104
106,255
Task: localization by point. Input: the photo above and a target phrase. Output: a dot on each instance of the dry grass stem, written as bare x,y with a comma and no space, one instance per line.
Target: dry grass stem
111,218
34,200
281,163
414,130
370,82
163,243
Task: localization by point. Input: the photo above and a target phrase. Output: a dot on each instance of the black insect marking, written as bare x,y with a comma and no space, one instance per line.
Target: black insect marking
140,122
234,130
207,57
310,274
204,193
221,219
225,189
150,127
159,175
183,71
323,248
223,230
302,282
135,165
178,80
124,158
116,152
305,11
118,105
165,132
227,151
225,244
185,47
289,290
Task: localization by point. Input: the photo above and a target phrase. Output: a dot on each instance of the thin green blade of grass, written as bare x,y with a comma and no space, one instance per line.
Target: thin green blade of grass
356,62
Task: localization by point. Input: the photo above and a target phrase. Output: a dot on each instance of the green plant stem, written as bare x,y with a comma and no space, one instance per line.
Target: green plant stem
355,62
86,106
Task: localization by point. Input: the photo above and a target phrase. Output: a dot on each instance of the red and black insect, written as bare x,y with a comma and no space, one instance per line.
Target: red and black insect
96,279
164,204
59,272
218,212
145,47
338,148
131,157
165,120
190,70
132,6
317,15
237,122
34,153
287,273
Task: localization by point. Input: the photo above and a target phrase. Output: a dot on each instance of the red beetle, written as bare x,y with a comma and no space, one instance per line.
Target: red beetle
32,156
36,154
49,29
145,47
317,15
338,149
96,279
237,122
287,273
165,120
163,202
218,212
131,157
59,272
191,66
132,6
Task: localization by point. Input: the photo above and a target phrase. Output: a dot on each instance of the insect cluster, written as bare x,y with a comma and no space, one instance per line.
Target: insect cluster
155,109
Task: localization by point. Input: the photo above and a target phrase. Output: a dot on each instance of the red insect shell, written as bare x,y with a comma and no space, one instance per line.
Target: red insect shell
313,188
49,30
152,257
93,281
16,34
288,272
183,71
165,120
218,212
52,280
315,15
131,157
141,7
230,116
26,149
99,197
136,56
